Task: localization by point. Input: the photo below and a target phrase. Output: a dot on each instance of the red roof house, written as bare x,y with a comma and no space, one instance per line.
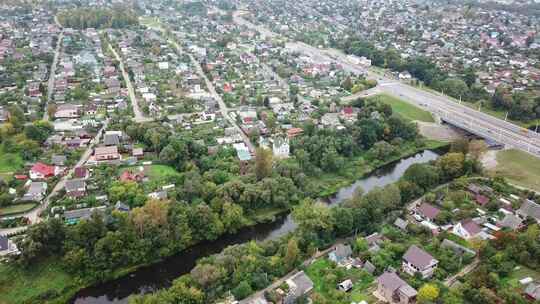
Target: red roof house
41,171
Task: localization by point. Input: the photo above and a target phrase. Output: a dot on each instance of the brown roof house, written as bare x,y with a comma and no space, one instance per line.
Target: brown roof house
106,153
428,211
417,260
467,229
394,290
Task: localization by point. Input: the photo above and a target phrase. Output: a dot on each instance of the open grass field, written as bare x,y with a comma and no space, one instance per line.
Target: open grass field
404,109
519,168
319,272
34,285
18,208
161,171
10,162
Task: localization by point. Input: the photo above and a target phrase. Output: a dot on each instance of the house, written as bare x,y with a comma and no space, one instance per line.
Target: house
293,132
106,153
128,176
7,247
36,192
370,268
529,209
280,147
532,291
481,200
340,253
394,290
111,140
417,260
299,285
75,188
428,211
81,173
42,171
401,223
58,160
467,229
345,286
138,153
158,195
373,241
511,221
74,216
67,111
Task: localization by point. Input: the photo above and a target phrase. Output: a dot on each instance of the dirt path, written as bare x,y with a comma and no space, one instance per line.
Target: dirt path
436,131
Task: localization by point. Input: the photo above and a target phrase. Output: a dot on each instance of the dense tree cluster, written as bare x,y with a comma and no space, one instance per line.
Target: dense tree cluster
83,18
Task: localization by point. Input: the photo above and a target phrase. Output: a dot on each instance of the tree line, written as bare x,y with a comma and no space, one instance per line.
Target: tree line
242,269
83,18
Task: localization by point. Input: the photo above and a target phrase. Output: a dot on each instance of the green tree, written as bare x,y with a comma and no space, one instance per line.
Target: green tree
428,293
263,163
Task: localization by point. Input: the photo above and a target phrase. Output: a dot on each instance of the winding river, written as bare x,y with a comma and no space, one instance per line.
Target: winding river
161,274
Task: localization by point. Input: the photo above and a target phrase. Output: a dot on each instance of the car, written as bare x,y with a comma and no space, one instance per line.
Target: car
418,217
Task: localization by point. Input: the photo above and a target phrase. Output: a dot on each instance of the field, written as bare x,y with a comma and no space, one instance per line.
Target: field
519,168
161,171
404,109
322,270
521,272
18,208
39,283
10,162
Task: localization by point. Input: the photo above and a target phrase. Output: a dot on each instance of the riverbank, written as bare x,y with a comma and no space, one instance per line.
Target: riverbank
330,183
51,284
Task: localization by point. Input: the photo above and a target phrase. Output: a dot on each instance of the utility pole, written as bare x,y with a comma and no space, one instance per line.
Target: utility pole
506,116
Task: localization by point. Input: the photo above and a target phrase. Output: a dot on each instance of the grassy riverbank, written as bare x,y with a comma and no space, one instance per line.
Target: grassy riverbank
519,168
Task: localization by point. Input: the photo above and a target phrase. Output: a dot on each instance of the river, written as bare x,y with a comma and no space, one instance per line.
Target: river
161,274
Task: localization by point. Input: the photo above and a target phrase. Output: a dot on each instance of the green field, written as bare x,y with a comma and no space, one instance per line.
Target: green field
18,208
521,272
322,269
39,283
404,109
154,172
519,168
10,162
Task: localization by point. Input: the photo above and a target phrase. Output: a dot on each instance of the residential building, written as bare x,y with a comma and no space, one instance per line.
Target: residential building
299,285
340,253
467,229
395,290
106,153
42,171
417,260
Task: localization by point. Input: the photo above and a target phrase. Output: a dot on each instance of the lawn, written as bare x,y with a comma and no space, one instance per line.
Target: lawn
322,270
404,109
521,272
161,171
17,208
10,162
35,285
519,168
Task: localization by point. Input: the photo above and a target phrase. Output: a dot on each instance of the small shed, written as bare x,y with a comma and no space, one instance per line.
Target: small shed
345,286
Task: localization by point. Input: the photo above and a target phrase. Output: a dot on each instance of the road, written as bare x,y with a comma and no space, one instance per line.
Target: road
476,122
52,73
139,115
222,106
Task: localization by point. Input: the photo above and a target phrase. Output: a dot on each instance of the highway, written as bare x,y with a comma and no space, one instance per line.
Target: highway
476,122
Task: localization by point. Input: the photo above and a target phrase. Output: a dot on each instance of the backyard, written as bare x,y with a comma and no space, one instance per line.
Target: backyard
10,162
17,208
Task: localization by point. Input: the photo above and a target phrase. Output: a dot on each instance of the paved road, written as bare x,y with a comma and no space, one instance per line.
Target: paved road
139,115
52,73
222,106
448,109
